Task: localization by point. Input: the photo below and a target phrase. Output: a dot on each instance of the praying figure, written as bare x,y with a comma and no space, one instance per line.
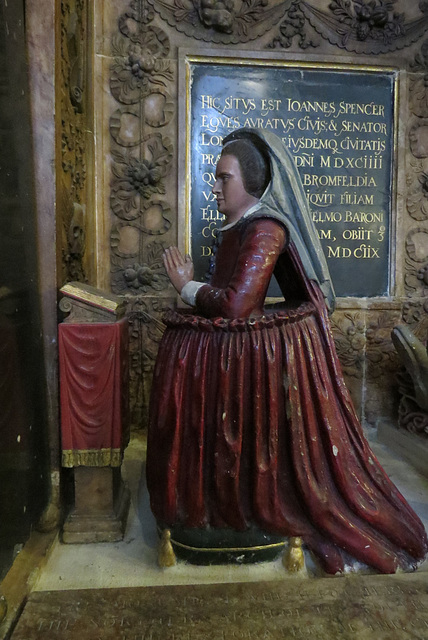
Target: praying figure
253,439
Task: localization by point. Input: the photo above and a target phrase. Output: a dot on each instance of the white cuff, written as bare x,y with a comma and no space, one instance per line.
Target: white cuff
189,291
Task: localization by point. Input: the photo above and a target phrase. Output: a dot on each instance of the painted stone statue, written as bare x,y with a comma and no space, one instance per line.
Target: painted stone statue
253,438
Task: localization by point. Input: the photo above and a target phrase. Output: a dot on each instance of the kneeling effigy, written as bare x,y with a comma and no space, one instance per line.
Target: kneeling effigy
253,437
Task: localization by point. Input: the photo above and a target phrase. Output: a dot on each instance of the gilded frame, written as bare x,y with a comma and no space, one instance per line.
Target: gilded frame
243,58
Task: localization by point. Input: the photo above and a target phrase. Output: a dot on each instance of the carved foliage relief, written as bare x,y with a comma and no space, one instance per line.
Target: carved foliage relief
368,358
222,21
72,183
143,127
364,346
365,26
362,26
415,309
142,158
142,152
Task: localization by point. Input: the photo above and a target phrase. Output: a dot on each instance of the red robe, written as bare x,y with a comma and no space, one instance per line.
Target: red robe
251,423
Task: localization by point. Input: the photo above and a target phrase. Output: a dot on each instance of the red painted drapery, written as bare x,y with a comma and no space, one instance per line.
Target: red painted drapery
251,422
93,361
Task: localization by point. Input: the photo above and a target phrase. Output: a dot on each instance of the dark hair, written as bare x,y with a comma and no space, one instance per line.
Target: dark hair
253,157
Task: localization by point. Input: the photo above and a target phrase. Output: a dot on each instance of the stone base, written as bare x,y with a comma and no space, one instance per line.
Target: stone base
224,546
409,446
354,607
101,506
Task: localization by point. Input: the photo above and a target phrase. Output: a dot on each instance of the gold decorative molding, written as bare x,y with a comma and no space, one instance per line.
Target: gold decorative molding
88,304
92,458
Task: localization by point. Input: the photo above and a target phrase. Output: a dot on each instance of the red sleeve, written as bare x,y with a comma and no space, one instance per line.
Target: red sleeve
263,241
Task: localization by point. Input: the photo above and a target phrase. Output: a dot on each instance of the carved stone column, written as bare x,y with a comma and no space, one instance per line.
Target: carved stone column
93,354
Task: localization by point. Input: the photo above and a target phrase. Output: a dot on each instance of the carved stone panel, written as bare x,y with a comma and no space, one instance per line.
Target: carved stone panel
381,607
74,149
142,152
139,44
222,21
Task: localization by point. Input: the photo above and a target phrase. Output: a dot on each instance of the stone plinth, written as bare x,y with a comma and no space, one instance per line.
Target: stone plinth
101,506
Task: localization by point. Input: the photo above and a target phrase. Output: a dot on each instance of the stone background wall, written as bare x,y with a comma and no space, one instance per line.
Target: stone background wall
117,191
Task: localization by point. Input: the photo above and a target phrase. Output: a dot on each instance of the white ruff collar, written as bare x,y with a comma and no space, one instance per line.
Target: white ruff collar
248,213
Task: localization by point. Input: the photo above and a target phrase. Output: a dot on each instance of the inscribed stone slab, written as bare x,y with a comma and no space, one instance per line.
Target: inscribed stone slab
357,608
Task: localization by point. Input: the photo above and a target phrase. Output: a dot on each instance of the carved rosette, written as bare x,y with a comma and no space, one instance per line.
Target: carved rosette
72,190
142,156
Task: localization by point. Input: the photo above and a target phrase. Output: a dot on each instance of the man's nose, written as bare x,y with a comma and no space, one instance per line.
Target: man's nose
216,187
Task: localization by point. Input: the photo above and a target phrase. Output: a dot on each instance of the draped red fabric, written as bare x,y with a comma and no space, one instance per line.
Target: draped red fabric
251,423
93,372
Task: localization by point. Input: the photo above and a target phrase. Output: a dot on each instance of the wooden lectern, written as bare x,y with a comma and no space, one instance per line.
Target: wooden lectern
93,368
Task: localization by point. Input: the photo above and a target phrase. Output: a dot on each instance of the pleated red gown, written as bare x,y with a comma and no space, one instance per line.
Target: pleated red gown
251,423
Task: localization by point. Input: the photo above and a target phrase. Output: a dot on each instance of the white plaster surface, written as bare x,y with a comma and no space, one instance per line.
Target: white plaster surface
133,562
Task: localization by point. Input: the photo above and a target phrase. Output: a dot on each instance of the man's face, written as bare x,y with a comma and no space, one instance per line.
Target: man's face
232,199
